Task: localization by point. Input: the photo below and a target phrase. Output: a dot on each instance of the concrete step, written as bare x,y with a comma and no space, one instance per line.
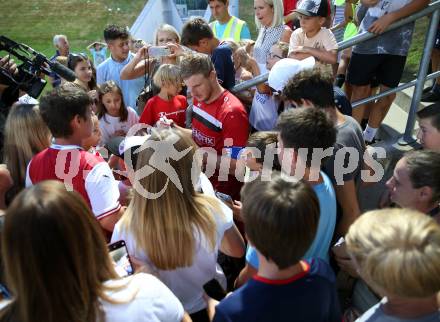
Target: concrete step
392,128
404,98
394,124
395,121
370,194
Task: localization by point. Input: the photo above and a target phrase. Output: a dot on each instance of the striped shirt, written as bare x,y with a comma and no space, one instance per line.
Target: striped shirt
267,37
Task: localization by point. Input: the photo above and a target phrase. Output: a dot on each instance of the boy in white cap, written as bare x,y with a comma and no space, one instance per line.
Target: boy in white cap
266,107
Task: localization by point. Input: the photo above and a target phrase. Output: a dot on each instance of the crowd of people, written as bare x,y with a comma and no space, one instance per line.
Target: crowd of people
229,206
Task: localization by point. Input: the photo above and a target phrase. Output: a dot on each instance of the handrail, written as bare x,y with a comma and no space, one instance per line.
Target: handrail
421,76
348,43
368,35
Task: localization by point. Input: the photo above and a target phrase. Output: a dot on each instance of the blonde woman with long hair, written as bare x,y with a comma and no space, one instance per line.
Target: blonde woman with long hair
58,267
26,134
143,64
170,228
271,29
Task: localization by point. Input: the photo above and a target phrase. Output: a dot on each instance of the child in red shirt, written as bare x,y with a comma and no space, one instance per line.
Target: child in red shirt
167,103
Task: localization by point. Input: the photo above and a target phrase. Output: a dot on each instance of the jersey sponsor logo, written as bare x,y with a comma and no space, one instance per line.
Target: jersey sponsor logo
261,98
202,138
162,114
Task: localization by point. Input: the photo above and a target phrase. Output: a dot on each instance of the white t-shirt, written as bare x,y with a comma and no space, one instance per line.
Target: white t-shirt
382,8
377,314
110,124
187,282
323,40
395,42
204,185
152,301
264,112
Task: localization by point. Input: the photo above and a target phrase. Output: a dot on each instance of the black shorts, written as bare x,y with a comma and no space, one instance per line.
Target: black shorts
387,69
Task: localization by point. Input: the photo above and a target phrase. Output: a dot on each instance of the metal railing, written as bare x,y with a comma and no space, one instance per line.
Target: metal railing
422,76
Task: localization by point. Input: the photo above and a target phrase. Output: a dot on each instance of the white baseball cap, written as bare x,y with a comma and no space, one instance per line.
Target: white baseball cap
285,69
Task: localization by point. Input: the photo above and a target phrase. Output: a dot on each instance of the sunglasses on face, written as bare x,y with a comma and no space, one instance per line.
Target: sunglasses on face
272,55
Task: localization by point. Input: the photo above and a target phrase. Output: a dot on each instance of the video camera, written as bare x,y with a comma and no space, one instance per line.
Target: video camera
32,65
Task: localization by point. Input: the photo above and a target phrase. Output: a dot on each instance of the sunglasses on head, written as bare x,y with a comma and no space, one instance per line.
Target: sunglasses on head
74,57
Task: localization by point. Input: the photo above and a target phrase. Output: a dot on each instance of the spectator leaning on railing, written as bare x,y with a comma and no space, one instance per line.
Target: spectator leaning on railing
382,57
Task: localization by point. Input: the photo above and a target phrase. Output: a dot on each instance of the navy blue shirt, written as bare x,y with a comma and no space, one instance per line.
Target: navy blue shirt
56,80
341,101
222,59
308,296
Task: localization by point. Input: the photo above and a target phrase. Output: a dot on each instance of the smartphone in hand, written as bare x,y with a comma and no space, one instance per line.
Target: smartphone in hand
340,250
159,51
119,253
227,199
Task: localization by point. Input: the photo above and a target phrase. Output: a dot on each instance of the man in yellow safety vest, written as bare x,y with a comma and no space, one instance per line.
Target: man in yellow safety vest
226,26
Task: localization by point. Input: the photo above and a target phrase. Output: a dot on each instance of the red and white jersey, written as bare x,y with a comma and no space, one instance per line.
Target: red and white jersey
225,118
79,170
222,125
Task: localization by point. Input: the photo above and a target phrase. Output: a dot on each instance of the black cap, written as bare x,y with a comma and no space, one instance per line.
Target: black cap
313,8
119,145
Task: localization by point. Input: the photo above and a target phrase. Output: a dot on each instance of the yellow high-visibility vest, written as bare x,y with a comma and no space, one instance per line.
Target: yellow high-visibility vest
232,30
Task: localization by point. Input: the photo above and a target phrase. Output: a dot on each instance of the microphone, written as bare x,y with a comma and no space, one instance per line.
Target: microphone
62,71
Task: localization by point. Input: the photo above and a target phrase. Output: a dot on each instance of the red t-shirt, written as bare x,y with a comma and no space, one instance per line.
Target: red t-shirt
212,124
289,6
156,107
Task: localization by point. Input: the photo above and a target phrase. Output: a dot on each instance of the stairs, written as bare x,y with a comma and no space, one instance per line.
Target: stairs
394,123
390,131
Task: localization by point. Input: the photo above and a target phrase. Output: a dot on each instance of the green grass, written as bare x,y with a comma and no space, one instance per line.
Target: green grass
415,52
34,22
246,12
